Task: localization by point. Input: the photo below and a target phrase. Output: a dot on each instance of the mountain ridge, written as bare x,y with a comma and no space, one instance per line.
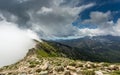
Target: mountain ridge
45,59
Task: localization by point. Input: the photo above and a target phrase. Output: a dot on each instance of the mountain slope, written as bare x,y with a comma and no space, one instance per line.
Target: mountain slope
72,52
47,59
99,48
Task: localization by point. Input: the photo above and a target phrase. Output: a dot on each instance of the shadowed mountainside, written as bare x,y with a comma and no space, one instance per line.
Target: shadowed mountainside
98,48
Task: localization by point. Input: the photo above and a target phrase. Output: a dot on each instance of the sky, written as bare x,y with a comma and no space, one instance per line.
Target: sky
21,21
54,19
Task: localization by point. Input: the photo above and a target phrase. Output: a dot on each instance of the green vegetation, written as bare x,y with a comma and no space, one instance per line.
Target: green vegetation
32,66
45,50
106,64
33,63
42,53
73,63
115,73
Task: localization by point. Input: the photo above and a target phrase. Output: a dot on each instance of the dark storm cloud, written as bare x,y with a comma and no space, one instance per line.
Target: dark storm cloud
49,18
19,8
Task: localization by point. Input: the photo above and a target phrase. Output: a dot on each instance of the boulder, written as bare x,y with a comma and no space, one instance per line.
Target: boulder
44,73
113,67
45,66
98,73
67,72
71,68
59,68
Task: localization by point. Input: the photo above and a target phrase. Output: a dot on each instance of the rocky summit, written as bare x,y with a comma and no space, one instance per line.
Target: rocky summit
45,59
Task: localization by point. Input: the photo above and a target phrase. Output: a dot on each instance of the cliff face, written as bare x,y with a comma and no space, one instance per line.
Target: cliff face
50,58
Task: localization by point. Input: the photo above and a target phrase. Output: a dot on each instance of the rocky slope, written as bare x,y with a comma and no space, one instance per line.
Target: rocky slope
46,59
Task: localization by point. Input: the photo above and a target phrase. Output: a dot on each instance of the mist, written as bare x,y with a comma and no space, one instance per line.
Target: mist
14,42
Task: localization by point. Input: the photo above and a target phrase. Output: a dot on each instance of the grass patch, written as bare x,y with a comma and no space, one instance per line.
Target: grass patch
42,53
115,73
32,66
46,50
87,72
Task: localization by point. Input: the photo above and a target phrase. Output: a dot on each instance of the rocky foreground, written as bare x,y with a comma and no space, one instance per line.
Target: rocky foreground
32,65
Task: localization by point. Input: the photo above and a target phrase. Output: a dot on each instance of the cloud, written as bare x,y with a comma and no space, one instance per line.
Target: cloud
56,21
49,18
20,7
53,18
14,42
98,18
105,25
116,28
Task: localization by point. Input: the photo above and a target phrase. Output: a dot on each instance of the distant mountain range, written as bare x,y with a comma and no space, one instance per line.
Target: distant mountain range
97,48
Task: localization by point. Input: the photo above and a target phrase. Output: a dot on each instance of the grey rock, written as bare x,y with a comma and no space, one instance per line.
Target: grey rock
67,72
98,73
44,73
71,68
59,68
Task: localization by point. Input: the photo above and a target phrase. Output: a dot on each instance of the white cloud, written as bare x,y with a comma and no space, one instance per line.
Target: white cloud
45,10
105,26
98,18
116,28
14,42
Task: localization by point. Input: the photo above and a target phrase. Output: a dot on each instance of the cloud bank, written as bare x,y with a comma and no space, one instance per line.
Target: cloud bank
14,42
